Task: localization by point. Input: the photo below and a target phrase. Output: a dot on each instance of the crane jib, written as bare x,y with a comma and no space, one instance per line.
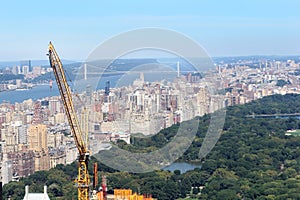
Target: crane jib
67,100
65,93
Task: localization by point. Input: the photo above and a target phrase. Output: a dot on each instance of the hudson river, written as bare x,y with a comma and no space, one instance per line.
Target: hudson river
42,91
35,93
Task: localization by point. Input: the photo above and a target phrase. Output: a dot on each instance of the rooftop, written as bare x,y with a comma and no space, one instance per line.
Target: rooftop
36,196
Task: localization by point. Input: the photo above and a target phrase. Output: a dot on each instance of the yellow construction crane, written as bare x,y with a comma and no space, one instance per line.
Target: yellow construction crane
83,180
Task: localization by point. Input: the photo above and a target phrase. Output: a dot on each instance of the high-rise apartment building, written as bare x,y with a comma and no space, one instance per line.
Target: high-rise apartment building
38,143
37,137
54,106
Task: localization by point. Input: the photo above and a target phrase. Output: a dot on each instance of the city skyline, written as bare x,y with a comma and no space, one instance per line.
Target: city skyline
38,128
223,28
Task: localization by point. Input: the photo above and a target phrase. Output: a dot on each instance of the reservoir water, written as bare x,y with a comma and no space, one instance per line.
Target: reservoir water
182,166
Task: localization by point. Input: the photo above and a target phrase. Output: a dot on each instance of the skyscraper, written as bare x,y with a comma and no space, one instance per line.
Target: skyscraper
37,137
107,88
38,143
37,117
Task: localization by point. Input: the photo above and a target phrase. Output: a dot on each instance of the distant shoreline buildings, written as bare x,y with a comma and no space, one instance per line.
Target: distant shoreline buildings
24,73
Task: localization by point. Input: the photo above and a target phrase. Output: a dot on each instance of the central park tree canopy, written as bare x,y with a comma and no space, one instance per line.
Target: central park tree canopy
253,159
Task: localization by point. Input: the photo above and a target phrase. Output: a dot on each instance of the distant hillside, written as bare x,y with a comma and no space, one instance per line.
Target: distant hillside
4,64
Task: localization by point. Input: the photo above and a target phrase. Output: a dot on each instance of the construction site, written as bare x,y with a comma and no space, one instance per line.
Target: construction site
86,190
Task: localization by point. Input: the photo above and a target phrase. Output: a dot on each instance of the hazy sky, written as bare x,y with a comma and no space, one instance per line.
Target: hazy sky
223,28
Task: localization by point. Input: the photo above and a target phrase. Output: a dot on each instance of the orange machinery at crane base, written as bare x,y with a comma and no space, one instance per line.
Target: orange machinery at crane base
126,194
